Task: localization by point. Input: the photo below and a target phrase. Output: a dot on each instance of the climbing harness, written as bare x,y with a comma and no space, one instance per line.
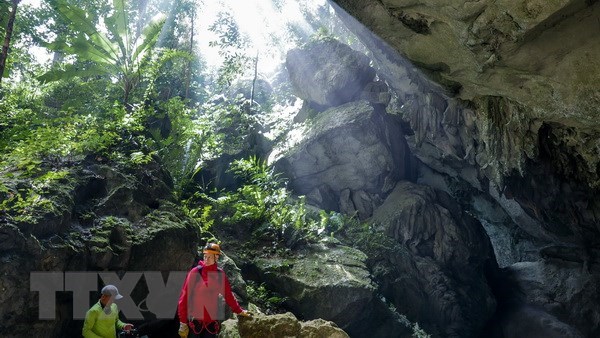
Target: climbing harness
197,326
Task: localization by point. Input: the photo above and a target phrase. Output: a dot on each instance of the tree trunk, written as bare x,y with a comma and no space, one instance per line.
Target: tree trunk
188,72
254,79
7,37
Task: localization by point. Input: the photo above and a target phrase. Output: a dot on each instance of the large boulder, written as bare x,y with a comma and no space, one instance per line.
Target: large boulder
328,73
105,189
280,325
349,160
317,277
331,282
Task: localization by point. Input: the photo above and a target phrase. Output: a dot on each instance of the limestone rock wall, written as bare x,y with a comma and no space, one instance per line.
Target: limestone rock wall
537,53
349,159
118,220
500,102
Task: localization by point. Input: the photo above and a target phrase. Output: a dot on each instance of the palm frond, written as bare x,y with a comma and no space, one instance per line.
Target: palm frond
72,71
80,22
81,47
117,24
150,35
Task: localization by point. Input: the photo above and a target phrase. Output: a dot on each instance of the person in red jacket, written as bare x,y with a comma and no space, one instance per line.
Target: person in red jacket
198,309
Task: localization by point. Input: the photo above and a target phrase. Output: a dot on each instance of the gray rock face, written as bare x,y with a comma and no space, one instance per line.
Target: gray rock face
349,160
558,298
443,273
332,283
533,322
540,54
492,138
500,97
328,73
281,325
119,221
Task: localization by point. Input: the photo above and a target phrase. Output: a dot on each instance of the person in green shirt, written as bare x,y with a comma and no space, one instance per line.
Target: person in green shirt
102,319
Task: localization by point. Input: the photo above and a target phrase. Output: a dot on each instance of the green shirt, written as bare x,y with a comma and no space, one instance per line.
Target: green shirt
98,324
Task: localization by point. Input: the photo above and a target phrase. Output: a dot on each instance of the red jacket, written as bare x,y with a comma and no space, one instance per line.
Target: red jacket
199,296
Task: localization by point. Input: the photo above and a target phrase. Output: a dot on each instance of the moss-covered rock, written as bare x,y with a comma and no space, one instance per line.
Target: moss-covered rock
332,283
104,217
279,325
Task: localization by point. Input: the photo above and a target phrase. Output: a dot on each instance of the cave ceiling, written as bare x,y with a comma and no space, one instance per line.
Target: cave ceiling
541,54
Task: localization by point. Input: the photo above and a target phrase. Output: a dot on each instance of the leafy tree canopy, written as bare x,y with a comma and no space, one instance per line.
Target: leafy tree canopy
120,52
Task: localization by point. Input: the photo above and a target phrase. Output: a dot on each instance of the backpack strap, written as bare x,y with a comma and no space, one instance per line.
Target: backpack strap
199,268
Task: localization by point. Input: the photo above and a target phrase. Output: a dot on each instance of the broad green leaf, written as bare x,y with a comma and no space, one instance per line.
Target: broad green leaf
121,18
150,35
117,24
80,22
81,47
71,71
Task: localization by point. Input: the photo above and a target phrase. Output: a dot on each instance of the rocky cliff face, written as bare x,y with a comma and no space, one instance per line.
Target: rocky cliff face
106,219
538,53
501,115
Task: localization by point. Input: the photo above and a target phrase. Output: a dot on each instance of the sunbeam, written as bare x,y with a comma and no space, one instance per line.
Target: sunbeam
265,24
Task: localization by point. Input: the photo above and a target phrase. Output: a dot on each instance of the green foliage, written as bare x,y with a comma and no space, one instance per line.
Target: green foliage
18,114
84,96
39,144
182,139
268,301
260,198
170,81
27,195
156,64
101,44
361,235
139,158
417,331
232,44
36,139
64,137
224,127
202,214
264,204
31,132
178,138
119,53
256,172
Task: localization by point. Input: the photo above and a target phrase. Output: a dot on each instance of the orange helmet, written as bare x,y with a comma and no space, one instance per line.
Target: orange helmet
212,248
